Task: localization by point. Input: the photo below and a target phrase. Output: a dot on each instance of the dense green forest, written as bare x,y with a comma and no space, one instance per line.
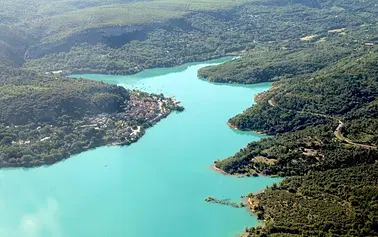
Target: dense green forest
326,141
205,35
28,97
322,109
58,19
338,202
46,118
344,91
285,58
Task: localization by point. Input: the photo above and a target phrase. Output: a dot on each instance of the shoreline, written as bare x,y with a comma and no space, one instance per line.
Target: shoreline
100,122
233,126
213,167
69,72
219,170
69,154
236,128
259,97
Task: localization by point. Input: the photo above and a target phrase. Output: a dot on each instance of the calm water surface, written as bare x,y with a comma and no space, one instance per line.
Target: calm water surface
155,187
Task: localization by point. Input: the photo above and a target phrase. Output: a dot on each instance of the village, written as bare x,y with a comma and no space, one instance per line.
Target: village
141,111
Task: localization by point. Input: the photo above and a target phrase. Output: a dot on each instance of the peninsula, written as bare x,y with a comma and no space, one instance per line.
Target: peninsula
45,123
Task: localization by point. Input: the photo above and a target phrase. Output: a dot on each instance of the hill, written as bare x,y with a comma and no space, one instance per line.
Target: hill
339,202
321,110
47,118
201,35
56,26
305,113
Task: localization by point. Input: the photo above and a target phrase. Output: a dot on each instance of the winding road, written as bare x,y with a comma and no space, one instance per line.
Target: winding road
341,137
338,134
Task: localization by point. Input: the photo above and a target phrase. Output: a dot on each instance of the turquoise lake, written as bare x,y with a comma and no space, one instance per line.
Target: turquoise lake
155,187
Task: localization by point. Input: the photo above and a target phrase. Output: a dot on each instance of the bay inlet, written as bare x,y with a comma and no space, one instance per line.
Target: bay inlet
155,187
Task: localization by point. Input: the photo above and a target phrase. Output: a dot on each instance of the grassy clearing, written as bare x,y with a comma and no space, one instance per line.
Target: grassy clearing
336,30
308,38
264,160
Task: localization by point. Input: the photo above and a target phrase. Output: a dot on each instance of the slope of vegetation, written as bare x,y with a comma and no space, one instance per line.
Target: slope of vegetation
46,118
207,35
306,111
336,194
14,11
12,46
28,97
339,202
142,12
268,62
56,19
322,110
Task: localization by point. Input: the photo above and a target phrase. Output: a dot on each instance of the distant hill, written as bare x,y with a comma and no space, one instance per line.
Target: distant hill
12,46
28,97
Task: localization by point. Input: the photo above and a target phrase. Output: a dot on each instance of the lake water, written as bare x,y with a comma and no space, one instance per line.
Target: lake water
155,187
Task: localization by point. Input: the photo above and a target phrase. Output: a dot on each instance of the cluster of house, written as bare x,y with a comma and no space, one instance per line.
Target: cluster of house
139,112
147,109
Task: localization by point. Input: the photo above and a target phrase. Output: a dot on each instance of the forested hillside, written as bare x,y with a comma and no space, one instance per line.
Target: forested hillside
205,35
308,112
46,118
28,97
339,202
57,26
322,109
